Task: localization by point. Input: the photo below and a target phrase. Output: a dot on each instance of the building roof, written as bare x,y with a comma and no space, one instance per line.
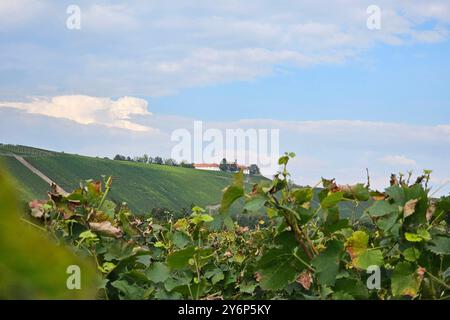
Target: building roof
206,165
215,165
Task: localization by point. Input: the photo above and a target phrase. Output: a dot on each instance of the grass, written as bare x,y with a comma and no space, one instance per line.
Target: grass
142,186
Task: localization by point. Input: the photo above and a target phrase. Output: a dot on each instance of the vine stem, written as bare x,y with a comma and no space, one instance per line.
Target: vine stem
438,280
34,225
108,187
304,262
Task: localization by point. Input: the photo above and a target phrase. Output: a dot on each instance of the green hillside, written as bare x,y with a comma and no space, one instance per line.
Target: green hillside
142,186
29,185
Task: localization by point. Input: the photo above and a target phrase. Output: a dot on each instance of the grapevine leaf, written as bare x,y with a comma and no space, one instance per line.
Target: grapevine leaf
128,291
421,235
157,272
180,259
404,281
281,265
439,245
231,194
410,207
332,199
302,195
357,243
327,263
397,194
386,223
180,239
411,254
255,204
352,287
369,258
381,208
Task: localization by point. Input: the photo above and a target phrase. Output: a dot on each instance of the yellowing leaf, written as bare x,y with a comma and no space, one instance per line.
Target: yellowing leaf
106,228
410,207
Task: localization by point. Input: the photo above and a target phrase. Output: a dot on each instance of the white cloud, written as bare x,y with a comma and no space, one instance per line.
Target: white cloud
88,110
398,161
137,48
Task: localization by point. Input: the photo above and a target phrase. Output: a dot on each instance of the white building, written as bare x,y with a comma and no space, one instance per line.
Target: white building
207,166
216,167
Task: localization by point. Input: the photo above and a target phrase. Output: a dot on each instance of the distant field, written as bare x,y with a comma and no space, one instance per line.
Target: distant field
142,186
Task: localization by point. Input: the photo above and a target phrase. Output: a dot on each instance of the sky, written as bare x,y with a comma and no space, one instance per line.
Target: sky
345,97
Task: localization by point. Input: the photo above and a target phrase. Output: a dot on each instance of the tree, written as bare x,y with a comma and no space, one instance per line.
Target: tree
254,170
223,166
145,158
170,162
185,164
233,167
158,160
120,157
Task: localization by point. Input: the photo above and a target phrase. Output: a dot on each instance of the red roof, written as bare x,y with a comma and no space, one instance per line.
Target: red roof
206,165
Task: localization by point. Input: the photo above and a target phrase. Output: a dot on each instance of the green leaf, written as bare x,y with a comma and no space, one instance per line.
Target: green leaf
128,291
283,160
233,192
411,254
404,281
439,245
198,218
180,239
332,199
279,266
357,243
369,258
255,204
333,222
302,195
217,277
421,235
180,259
157,272
327,263
386,222
358,192
108,207
247,287
381,208
397,194
353,287
413,237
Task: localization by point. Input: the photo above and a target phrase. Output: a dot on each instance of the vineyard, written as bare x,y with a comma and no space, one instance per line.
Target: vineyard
143,186
399,248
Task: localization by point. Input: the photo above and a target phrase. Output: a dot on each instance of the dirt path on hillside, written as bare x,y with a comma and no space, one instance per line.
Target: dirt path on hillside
40,174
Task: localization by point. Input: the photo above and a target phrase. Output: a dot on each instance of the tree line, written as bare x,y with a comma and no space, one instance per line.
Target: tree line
224,166
154,160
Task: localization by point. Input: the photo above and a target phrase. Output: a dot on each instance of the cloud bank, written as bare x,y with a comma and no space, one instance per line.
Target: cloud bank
88,110
152,49
339,149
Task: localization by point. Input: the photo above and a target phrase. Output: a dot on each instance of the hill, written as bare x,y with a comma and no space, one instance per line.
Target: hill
142,186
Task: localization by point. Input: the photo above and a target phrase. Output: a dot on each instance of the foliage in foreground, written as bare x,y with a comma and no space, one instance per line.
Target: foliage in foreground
303,250
31,266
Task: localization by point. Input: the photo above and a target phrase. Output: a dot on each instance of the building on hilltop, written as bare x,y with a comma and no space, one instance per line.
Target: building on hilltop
216,167
207,166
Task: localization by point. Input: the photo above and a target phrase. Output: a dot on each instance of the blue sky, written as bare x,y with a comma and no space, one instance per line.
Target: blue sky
343,97
408,84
